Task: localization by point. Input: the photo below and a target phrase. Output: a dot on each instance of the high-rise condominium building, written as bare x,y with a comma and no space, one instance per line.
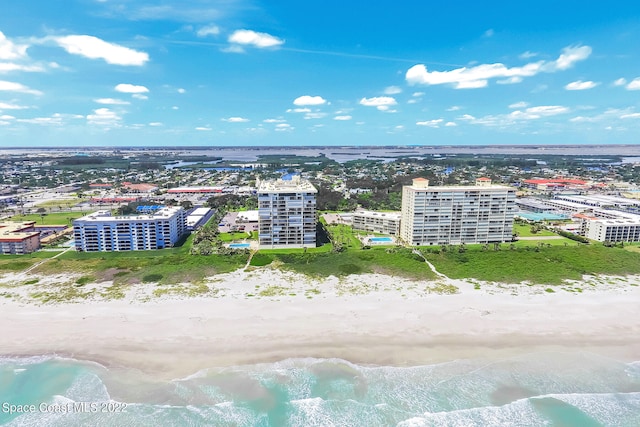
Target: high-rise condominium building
457,214
287,213
100,231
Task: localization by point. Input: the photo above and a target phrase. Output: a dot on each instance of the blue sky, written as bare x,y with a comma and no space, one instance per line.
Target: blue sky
236,72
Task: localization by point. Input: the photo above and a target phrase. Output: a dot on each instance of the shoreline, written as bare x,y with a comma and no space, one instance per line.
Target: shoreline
173,336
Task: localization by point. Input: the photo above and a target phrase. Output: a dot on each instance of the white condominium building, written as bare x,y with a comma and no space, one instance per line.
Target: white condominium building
100,231
287,213
377,222
609,225
452,215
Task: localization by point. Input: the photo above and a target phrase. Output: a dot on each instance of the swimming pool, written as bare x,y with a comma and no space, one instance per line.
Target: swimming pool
381,239
238,245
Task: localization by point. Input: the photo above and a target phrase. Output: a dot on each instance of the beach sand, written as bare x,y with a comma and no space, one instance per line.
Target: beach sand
366,319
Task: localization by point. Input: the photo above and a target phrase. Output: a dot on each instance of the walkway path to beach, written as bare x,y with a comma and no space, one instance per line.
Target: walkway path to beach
432,267
38,264
541,238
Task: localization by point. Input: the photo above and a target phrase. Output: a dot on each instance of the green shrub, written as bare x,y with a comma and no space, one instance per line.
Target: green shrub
153,277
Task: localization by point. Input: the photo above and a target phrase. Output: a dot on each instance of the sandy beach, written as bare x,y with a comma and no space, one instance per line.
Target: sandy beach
367,319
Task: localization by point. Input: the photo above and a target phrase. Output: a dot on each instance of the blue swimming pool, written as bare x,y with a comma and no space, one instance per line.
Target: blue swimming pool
381,239
239,245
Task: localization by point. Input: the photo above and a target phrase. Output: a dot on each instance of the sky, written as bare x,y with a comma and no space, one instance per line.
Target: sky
292,73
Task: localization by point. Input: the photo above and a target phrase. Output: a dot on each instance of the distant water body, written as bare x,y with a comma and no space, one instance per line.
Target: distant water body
550,389
341,154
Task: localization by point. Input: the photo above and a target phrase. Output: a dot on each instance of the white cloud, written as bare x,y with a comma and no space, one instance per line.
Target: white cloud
430,123
233,49
253,38
17,87
235,120
203,128
316,115
56,121
620,82
6,67
417,94
382,103
111,101
156,124
181,90
10,50
95,48
451,124
140,96
479,75
517,116
342,118
580,85
175,107
392,90
8,106
104,117
489,33
454,108
413,101
527,55
634,84
510,80
520,104
209,30
129,88
283,127
607,116
274,120
6,117
540,111
309,100
299,110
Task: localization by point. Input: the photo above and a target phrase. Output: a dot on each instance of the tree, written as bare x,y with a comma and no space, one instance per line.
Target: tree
186,204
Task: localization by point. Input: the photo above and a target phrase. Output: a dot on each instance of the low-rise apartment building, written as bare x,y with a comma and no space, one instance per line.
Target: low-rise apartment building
377,222
19,238
100,231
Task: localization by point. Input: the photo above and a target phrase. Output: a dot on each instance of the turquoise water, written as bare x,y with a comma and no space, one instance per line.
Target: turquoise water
544,389
239,245
541,216
381,239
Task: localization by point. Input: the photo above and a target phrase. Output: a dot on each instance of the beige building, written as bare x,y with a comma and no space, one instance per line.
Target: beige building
19,237
287,213
377,222
441,215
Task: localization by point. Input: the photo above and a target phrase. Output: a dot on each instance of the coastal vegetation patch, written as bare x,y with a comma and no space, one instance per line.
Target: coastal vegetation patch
399,262
547,265
173,265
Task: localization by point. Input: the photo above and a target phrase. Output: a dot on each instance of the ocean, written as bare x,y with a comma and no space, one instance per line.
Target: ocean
541,389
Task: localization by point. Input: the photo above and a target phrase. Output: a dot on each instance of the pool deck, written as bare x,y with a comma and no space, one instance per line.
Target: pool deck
367,240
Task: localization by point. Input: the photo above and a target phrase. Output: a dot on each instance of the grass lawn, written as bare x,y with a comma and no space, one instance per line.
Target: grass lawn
398,262
10,263
551,265
167,266
545,242
58,218
65,203
230,237
344,234
525,231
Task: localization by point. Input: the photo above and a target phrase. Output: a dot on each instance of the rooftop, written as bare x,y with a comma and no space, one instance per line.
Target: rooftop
105,215
296,184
